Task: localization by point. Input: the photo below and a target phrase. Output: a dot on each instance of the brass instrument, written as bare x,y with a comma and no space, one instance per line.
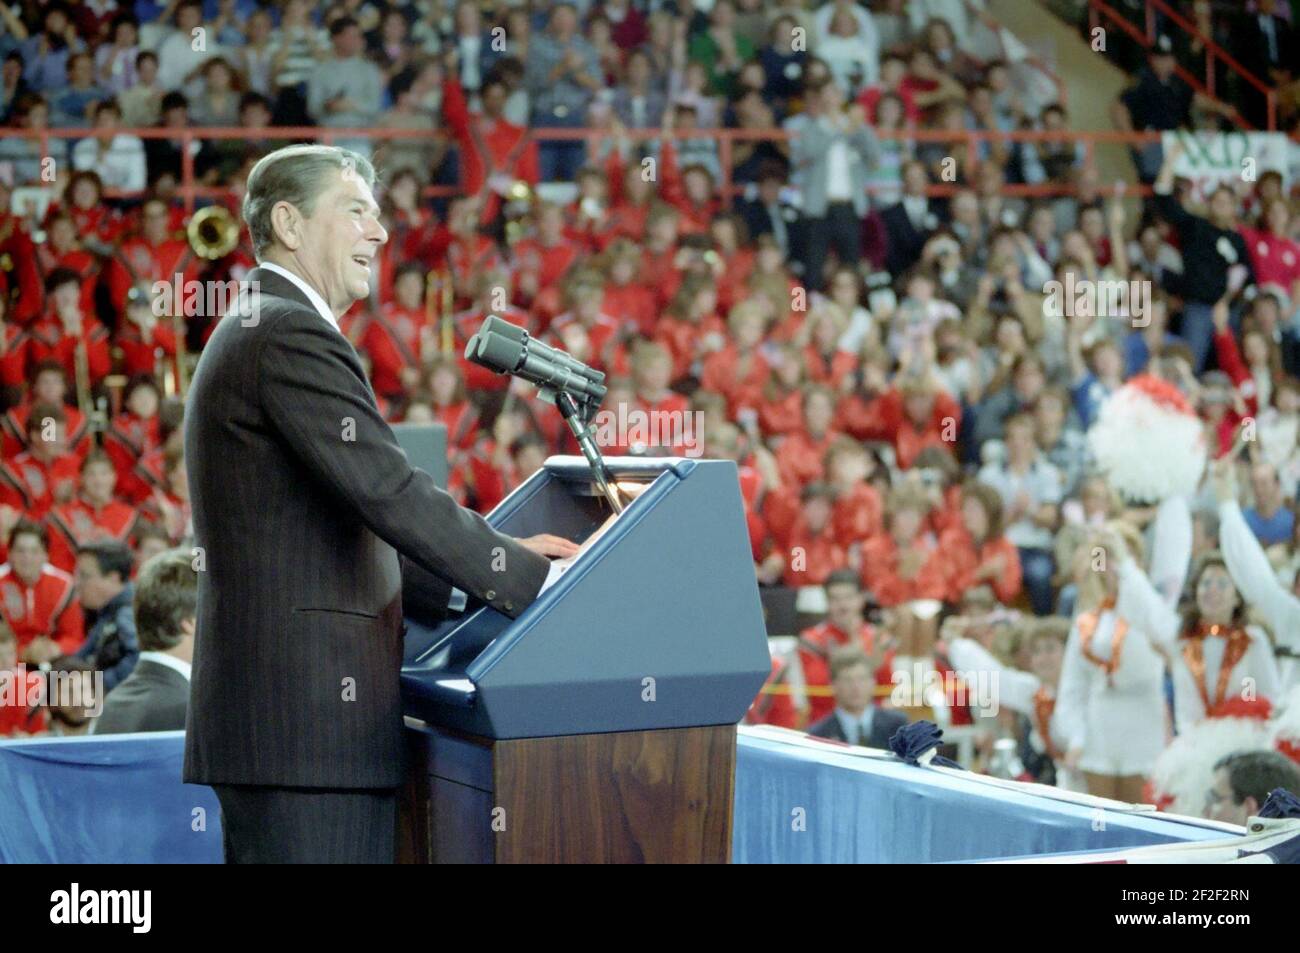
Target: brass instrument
212,233
81,367
517,203
447,324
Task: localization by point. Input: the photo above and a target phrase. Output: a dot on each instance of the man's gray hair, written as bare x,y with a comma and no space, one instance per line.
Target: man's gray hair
294,174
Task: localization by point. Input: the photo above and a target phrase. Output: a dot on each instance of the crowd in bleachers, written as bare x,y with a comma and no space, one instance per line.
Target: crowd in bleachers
909,420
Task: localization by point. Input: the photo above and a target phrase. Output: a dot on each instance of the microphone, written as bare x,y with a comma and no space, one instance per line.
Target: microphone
508,349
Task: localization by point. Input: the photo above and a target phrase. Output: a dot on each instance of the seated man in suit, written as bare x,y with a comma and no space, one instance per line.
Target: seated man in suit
855,719
156,695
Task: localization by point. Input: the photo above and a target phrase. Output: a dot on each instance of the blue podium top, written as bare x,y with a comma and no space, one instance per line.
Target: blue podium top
657,625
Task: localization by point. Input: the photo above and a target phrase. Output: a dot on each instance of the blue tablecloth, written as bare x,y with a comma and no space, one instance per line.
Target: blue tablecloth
110,800
120,800
860,810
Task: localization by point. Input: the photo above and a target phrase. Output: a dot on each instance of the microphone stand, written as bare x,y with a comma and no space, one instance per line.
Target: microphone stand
574,418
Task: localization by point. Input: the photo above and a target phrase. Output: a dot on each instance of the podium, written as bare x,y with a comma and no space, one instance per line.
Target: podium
599,726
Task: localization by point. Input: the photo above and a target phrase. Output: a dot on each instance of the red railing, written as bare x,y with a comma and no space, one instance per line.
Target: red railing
1146,36
969,140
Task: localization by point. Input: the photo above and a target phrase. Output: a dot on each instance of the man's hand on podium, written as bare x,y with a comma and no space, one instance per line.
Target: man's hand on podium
544,544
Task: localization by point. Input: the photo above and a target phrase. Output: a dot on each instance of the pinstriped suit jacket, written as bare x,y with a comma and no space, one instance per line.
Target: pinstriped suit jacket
302,503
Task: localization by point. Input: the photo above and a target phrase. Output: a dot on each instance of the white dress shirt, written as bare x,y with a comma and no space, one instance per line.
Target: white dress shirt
170,661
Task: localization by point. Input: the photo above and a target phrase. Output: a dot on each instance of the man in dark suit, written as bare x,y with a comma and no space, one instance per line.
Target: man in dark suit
765,210
856,720
910,223
311,524
156,695
1265,45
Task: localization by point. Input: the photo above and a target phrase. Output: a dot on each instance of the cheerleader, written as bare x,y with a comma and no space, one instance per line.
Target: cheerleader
1031,694
1214,657
1253,574
1110,703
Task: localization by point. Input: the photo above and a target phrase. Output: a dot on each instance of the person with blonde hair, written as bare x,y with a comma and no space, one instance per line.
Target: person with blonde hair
1110,702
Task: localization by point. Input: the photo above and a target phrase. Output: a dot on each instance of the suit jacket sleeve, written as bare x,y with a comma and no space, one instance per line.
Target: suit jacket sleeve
314,393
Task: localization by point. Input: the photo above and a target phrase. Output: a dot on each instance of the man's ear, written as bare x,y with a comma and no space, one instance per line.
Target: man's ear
187,627
286,225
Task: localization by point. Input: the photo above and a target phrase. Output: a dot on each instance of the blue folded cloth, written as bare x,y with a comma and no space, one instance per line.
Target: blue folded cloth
1281,803
915,739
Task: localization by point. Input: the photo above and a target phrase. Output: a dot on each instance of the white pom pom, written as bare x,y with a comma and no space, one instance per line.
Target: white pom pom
1148,451
1185,770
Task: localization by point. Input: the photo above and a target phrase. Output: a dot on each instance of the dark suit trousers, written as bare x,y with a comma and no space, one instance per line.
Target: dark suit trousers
840,229
269,825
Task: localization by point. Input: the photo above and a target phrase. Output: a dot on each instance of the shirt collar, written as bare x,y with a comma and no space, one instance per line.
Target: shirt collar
170,661
312,295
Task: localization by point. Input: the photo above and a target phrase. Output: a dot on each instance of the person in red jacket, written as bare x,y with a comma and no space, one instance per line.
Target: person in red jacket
49,386
627,300
690,189
14,343
494,152
858,512
464,250
976,553
37,601
155,255
396,338
99,224
691,329
24,717
915,414
450,402
813,552
801,454
25,278
542,260
903,566
780,411
144,333
135,431
660,271
92,517
739,371
45,473
657,405
57,335
845,624
584,294
63,249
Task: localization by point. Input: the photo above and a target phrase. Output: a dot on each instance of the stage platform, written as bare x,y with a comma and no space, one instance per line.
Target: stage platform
798,800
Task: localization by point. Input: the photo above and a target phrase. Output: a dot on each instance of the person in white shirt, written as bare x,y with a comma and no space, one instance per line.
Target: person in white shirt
1216,659
1253,574
1110,702
183,50
1029,693
118,158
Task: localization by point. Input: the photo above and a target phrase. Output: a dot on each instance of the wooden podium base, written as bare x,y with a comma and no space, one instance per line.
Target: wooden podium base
660,796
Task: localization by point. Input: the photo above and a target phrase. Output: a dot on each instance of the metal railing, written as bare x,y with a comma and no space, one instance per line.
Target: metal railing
1146,37
968,141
